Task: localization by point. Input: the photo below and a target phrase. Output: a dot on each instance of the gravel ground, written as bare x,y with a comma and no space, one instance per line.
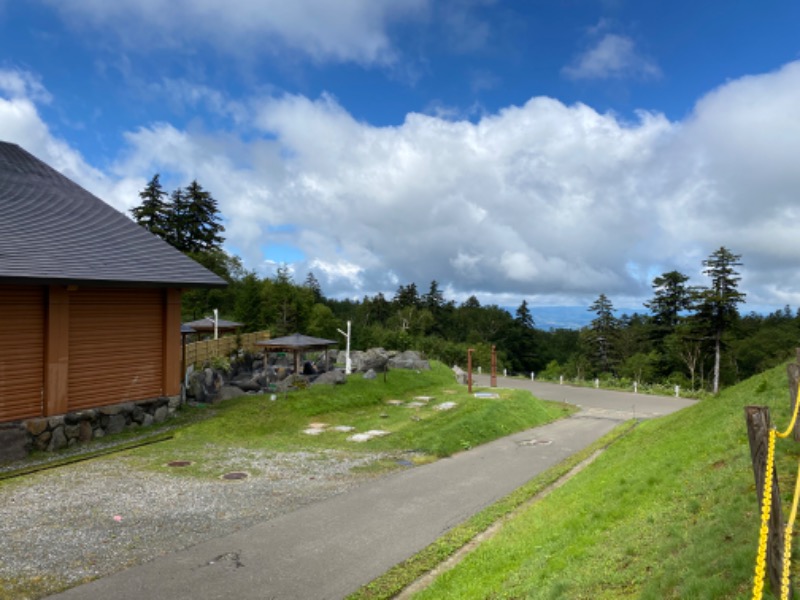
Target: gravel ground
74,523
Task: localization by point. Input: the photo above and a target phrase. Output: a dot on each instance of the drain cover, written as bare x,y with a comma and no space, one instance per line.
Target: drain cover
235,475
179,463
536,443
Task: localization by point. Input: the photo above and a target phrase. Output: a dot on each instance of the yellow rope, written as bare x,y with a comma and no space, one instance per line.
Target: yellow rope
794,416
766,504
787,548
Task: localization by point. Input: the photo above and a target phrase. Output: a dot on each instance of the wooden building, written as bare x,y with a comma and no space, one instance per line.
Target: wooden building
89,301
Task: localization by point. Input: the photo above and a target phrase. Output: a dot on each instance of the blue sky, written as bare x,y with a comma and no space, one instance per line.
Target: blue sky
548,151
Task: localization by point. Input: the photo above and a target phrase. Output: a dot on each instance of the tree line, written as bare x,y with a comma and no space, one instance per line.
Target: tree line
692,336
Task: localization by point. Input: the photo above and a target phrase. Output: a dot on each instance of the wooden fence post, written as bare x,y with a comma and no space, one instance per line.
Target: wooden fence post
793,373
758,425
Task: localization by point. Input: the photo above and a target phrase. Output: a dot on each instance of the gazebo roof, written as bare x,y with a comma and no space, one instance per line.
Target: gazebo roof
296,341
206,325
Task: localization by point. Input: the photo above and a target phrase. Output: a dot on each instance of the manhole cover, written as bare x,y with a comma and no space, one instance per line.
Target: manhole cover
235,475
179,463
536,443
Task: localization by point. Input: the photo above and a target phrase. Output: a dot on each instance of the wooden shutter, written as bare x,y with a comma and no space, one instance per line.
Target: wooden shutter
115,346
22,310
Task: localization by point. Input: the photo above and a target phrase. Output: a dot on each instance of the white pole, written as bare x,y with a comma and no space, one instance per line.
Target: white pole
216,324
348,366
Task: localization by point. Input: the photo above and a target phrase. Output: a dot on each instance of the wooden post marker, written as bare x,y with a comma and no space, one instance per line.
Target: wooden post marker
793,373
758,425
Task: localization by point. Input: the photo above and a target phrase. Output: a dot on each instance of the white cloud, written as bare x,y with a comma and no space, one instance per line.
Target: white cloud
22,124
543,201
340,31
16,84
612,57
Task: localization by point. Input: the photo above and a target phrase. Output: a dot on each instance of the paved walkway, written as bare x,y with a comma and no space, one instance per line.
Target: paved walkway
330,549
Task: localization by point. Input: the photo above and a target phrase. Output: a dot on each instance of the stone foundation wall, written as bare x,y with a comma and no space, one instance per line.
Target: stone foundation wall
54,433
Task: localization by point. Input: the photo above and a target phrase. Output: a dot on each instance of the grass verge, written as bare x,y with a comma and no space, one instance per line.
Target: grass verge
668,511
404,574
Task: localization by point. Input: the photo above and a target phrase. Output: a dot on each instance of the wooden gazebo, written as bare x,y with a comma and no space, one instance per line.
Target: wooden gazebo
297,344
207,326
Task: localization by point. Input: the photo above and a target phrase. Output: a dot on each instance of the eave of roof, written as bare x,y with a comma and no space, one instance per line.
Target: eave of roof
54,231
206,325
296,341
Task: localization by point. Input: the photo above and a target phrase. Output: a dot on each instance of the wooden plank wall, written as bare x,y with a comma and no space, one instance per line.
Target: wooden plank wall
21,351
115,346
199,352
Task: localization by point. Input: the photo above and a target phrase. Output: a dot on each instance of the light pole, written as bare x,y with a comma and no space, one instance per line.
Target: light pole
215,320
347,365
469,369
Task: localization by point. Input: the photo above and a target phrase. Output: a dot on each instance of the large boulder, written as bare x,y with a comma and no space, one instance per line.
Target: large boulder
409,360
205,385
247,382
330,378
374,359
461,375
292,382
230,391
327,360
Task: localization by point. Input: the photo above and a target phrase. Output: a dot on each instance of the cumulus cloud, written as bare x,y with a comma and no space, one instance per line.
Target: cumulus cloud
21,123
544,201
341,31
613,56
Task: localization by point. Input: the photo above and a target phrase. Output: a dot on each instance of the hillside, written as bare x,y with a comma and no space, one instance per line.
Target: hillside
669,511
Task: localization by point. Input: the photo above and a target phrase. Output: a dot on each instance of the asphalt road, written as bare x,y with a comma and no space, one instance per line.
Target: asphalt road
622,405
331,548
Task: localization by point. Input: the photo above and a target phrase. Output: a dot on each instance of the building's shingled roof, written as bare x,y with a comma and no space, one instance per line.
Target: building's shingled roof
54,231
207,324
296,341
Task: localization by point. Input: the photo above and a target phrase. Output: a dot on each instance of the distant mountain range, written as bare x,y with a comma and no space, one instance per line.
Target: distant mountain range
567,317
560,317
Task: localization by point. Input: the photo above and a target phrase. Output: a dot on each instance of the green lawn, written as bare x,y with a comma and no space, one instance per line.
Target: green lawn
259,423
668,511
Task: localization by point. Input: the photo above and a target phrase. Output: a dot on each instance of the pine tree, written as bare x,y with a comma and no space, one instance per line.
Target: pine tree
603,331
179,225
717,306
434,299
672,297
153,213
201,218
312,283
521,340
523,316
407,296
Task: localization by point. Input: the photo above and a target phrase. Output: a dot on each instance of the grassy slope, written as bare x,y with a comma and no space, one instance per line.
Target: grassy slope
259,424
667,512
